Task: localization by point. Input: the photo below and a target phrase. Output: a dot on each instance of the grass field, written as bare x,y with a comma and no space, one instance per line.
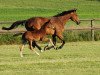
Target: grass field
76,58
12,10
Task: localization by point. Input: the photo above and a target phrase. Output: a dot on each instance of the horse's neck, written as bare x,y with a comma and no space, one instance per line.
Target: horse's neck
64,18
42,31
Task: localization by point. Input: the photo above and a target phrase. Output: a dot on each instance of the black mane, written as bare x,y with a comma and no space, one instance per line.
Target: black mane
64,13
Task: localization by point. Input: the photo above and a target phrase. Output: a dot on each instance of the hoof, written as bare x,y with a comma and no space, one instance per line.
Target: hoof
21,56
41,51
57,48
45,48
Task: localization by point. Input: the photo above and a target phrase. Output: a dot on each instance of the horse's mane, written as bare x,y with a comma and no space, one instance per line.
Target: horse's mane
64,13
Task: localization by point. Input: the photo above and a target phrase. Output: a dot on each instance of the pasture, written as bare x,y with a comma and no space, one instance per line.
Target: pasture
12,10
76,58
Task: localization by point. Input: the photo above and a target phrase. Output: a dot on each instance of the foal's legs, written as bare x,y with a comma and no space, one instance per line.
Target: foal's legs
30,44
35,44
50,42
21,48
53,43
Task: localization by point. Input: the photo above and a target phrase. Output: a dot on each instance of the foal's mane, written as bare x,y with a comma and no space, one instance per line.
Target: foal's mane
64,13
45,24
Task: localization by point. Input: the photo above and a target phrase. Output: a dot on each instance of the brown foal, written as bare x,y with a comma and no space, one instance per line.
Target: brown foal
37,35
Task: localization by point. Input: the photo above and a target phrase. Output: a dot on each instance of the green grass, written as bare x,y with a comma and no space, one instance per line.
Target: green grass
23,9
76,58
12,10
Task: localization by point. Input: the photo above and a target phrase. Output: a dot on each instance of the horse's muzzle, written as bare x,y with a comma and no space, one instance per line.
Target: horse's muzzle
78,22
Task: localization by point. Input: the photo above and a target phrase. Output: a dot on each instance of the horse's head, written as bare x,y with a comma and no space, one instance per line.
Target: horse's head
74,17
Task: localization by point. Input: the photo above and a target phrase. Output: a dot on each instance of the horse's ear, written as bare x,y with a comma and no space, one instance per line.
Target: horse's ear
75,9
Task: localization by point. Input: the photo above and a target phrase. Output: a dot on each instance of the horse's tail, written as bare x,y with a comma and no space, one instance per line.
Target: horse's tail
15,24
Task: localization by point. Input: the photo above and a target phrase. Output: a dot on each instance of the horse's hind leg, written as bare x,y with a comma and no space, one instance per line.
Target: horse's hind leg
30,44
21,48
35,44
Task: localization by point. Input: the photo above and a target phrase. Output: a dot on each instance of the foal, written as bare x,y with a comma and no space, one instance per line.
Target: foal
37,35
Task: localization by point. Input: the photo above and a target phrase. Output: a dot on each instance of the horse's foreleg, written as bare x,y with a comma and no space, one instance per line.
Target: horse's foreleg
53,43
50,42
63,42
54,39
30,44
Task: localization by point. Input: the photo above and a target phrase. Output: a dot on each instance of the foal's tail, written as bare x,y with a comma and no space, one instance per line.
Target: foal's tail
17,34
23,35
15,24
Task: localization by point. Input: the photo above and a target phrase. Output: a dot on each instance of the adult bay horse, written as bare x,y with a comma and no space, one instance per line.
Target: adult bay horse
37,35
59,21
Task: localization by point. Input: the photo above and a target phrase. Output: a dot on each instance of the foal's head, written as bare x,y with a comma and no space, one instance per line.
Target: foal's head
74,17
49,27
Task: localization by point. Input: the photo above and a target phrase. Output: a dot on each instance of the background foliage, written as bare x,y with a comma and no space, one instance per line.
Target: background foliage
23,9
12,10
